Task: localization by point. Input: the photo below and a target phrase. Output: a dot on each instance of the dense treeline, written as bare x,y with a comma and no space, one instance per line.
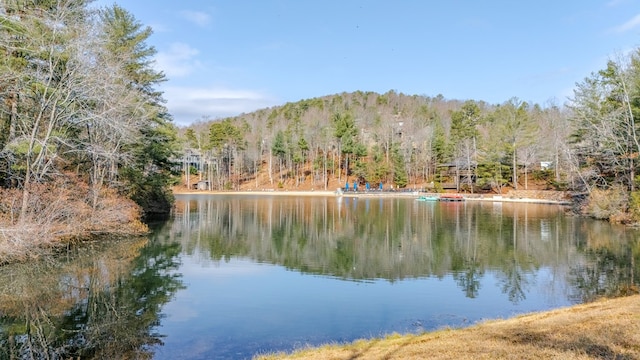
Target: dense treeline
588,145
391,138
82,126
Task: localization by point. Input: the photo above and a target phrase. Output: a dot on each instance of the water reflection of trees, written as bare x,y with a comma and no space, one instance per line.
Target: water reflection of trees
371,238
98,303
611,267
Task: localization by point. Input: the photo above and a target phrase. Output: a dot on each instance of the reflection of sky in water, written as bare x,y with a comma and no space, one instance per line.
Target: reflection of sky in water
411,266
238,308
425,266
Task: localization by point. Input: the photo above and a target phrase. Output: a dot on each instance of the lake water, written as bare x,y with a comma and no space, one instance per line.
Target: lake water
229,277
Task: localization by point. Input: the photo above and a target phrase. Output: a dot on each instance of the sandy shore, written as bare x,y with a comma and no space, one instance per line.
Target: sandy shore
373,194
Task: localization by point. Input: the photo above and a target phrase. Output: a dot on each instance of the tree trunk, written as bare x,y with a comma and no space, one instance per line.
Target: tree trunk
324,170
187,172
555,165
13,118
339,162
25,199
515,169
346,167
256,172
270,166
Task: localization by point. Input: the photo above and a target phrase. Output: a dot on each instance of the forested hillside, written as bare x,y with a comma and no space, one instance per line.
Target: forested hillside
83,130
393,138
588,145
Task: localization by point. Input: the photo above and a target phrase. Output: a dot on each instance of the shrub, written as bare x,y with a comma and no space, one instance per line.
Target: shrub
610,204
542,175
634,206
58,212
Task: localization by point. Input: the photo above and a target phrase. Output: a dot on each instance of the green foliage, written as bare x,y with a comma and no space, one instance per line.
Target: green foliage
271,120
400,177
78,96
493,175
293,112
126,36
190,134
303,145
544,175
149,191
463,122
151,173
279,147
359,170
345,131
360,150
37,78
377,170
634,205
224,133
437,187
441,147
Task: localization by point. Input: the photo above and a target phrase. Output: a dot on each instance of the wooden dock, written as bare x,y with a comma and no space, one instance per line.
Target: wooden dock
451,197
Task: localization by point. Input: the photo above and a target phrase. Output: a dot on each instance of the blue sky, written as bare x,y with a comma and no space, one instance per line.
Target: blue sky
223,58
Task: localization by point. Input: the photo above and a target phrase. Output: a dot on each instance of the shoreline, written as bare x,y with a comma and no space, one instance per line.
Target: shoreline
374,194
605,328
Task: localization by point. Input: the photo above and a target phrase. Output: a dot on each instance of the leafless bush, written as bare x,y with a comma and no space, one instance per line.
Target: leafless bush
59,212
608,204
115,214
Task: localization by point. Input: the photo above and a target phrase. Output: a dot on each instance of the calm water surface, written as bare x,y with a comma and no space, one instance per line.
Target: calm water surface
229,277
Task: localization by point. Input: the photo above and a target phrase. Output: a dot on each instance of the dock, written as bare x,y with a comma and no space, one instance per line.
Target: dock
451,197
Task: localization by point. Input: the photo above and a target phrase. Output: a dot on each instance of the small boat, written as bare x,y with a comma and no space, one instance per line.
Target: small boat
427,198
451,197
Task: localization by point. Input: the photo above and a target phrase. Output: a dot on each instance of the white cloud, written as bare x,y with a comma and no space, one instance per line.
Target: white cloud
179,61
199,18
614,3
188,104
159,28
629,25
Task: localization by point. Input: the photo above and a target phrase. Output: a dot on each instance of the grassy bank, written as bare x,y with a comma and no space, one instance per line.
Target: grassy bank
606,329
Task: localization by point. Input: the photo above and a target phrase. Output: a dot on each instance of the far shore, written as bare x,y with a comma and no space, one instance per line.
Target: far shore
372,194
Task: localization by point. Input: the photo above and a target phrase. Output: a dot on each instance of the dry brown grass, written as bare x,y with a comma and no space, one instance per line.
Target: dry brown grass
608,204
606,329
57,213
